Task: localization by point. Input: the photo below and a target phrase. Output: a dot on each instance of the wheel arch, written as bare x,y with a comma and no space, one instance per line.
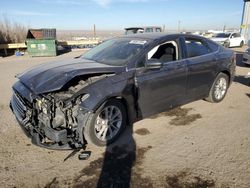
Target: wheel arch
222,71
227,73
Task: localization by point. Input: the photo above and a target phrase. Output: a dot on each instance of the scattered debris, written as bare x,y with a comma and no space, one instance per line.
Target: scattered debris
73,153
84,155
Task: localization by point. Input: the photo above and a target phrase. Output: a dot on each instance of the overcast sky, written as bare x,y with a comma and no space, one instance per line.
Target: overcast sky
117,14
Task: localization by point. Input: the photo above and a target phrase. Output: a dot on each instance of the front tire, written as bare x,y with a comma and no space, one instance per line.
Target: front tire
219,88
105,125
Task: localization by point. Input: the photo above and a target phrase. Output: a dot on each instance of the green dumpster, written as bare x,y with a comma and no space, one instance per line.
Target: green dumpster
41,42
41,47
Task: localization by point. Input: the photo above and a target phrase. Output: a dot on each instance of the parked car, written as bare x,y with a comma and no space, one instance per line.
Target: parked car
208,35
229,39
246,57
147,29
68,104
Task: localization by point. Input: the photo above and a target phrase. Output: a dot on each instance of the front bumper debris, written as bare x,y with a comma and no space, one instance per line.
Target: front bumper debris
58,138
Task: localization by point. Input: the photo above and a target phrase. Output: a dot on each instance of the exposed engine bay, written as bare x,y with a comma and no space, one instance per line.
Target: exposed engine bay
55,120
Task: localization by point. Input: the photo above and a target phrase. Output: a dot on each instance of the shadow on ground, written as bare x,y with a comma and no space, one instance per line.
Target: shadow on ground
242,80
121,166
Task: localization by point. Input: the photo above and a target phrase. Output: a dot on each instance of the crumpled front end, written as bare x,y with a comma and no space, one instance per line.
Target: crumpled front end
50,120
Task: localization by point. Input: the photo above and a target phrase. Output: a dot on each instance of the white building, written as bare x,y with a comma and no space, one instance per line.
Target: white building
245,23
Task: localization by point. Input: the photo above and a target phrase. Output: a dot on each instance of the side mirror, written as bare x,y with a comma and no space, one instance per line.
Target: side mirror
153,64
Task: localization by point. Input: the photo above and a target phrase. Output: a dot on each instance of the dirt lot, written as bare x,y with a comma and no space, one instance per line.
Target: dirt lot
198,145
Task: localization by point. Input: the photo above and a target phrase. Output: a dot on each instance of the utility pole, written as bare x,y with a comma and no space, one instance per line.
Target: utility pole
224,28
94,31
242,17
179,26
245,20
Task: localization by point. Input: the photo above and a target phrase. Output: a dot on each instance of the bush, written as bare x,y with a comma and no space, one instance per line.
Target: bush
12,32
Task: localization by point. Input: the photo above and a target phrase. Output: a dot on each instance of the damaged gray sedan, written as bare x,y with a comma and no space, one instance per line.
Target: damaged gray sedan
92,98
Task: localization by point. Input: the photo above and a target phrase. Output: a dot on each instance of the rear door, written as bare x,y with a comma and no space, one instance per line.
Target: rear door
161,89
201,66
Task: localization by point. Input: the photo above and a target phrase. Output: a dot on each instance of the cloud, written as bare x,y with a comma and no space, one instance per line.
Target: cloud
63,2
236,13
102,3
28,13
108,2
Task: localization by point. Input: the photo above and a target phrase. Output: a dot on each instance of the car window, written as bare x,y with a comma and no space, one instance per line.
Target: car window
149,30
233,35
222,35
158,30
116,52
237,35
196,48
165,52
212,45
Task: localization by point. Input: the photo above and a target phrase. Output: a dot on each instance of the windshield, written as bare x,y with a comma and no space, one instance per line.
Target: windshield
116,51
222,35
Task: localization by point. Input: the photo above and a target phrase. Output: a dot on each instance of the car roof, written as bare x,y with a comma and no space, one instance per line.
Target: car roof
141,27
159,35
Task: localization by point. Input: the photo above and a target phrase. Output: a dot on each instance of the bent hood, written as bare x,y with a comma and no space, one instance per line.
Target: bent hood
53,76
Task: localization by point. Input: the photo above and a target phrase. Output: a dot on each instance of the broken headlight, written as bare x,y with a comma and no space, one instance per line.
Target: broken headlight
42,105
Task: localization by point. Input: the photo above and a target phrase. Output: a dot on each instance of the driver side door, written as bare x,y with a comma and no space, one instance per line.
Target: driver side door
165,87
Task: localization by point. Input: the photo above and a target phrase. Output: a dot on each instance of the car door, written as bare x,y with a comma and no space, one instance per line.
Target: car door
201,68
162,88
234,40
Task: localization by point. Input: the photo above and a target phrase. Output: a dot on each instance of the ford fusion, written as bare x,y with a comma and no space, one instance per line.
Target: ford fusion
92,98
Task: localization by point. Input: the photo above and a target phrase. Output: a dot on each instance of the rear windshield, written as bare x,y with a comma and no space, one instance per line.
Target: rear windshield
116,51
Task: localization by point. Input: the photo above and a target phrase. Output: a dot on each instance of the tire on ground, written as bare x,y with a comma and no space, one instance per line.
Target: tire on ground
211,97
241,43
89,129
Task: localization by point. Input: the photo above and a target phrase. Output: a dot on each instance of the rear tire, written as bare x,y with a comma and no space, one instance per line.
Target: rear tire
105,125
241,43
219,88
227,45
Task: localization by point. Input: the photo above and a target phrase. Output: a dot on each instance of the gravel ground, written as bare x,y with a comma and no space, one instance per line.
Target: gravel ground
197,145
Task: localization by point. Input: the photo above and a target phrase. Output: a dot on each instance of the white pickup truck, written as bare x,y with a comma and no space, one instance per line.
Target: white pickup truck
229,39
